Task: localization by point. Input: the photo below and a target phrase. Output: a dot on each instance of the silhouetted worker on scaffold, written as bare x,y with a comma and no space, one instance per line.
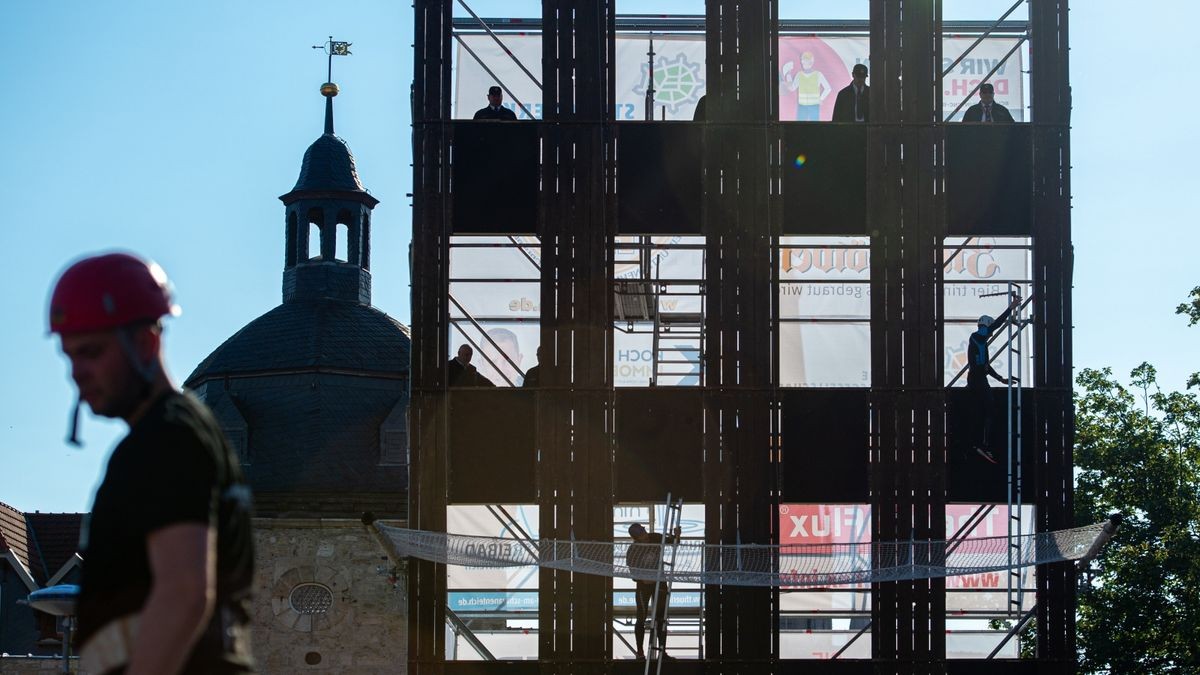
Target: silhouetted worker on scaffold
494,110
979,368
645,555
987,110
853,103
460,372
533,376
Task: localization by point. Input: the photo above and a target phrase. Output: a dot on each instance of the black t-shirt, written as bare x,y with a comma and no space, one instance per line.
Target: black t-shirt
174,467
644,556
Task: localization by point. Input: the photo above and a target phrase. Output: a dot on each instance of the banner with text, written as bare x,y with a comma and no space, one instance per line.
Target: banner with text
812,69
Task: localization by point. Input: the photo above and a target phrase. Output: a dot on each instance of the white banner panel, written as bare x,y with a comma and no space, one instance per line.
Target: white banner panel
472,81
824,602
970,644
987,258
848,301
478,520
1007,82
515,644
824,355
666,260
484,300
966,301
811,71
494,258
823,644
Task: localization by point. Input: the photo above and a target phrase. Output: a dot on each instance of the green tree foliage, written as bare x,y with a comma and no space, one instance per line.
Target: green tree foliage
1136,452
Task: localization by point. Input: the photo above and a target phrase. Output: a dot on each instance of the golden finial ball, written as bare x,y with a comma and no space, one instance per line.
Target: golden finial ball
329,90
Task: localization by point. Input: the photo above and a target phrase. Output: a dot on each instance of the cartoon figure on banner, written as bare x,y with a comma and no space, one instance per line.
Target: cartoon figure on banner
809,70
811,89
955,357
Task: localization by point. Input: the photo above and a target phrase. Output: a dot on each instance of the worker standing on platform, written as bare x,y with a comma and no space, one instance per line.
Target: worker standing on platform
494,110
979,368
168,549
987,110
645,555
853,102
460,372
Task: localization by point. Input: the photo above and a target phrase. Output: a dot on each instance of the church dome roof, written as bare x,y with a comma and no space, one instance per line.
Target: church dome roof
317,335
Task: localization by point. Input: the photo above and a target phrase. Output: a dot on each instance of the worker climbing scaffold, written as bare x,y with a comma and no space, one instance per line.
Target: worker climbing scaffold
649,557
979,368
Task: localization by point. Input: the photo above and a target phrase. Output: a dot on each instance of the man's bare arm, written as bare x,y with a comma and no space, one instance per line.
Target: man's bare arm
183,563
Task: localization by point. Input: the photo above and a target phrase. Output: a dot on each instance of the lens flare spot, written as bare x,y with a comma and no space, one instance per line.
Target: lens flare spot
800,160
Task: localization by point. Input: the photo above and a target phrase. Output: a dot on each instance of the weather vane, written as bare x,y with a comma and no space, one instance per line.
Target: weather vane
333,48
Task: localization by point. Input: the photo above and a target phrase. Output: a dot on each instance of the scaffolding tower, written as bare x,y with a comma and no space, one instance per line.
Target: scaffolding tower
738,443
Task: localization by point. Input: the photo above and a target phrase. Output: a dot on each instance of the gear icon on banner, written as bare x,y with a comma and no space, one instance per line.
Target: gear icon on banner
677,82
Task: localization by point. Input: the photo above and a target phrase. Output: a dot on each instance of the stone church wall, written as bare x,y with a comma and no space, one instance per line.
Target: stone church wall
327,599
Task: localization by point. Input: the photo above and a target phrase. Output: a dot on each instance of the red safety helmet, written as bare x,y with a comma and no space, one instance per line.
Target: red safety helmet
108,291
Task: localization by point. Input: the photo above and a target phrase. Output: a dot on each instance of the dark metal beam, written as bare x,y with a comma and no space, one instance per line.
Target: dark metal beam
683,23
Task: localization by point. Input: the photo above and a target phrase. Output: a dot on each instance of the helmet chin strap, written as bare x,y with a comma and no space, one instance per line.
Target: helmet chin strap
147,372
73,436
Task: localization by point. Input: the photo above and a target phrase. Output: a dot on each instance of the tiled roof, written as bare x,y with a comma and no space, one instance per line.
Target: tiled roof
43,542
13,532
323,334
328,165
319,433
54,538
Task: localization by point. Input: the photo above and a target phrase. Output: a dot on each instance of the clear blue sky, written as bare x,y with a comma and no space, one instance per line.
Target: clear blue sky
170,128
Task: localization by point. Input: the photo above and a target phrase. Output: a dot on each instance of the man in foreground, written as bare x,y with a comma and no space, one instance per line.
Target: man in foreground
168,558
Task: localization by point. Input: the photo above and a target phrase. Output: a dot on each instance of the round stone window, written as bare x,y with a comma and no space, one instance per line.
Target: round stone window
311,598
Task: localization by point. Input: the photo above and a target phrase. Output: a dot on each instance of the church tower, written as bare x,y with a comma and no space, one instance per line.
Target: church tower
314,396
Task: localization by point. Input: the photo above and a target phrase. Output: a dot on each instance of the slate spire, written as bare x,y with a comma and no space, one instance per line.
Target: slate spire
330,204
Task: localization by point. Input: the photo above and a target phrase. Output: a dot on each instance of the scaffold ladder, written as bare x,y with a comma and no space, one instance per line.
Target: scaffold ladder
677,342
657,652
1016,527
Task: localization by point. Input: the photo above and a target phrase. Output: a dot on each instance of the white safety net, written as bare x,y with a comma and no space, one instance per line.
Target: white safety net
790,565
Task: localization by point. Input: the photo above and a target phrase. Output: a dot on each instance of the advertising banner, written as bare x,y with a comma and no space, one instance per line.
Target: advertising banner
814,524
824,309
812,70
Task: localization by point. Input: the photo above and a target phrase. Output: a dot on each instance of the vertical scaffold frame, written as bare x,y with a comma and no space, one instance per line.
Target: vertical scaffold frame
739,470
